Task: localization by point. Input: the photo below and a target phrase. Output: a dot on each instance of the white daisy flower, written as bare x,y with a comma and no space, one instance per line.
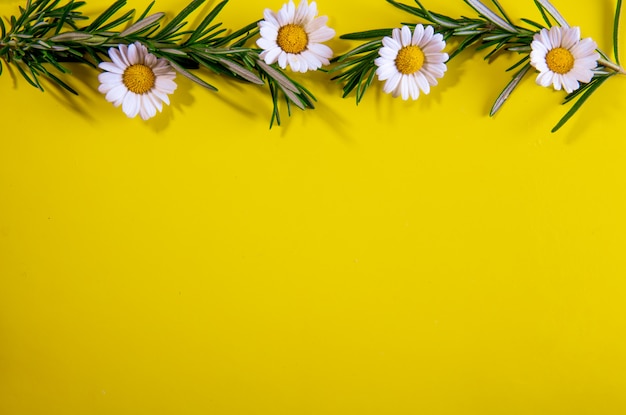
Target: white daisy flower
136,80
562,58
293,36
410,62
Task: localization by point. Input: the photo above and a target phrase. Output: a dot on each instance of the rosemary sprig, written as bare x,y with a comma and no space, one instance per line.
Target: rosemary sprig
356,67
46,34
618,13
491,31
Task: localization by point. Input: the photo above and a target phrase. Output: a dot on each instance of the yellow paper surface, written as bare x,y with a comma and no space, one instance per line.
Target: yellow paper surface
388,258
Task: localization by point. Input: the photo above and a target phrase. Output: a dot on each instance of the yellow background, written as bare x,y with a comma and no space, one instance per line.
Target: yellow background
391,258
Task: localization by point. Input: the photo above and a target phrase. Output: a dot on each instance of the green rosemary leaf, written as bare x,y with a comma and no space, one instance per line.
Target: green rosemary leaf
618,13
241,71
496,37
24,13
177,22
497,43
364,84
419,12
293,98
306,94
463,32
424,9
573,95
542,11
490,15
191,76
471,26
280,79
117,22
85,60
467,42
75,52
41,5
308,103
199,32
245,38
94,55
212,52
275,112
175,33
70,37
50,7
504,95
287,104
211,37
52,61
34,82
105,15
73,6
248,60
170,51
2,29
373,45
502,12
603,55
353,82
519,49
208,34
60,82
244,34
347,64
205,60
142,25
521,61
553,12
443,21
146,11
368,34
63,18
302,100
356,66
533,23
580,102
495,50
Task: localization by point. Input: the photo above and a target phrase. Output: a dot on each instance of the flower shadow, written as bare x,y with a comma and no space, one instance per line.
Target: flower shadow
180,100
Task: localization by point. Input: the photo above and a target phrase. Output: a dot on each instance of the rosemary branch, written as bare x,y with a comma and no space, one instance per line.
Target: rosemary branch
490,31
46,34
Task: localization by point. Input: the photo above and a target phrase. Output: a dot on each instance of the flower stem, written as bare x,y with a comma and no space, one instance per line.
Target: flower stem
613,66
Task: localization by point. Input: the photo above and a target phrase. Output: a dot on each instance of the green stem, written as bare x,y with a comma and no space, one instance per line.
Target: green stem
613,66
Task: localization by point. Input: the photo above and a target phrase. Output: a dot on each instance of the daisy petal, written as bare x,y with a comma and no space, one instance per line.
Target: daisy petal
398,82
131,105
137,80
572,62
299,55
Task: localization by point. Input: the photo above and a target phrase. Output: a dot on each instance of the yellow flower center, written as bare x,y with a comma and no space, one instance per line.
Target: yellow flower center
410,59
292,38
560,60
139,78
